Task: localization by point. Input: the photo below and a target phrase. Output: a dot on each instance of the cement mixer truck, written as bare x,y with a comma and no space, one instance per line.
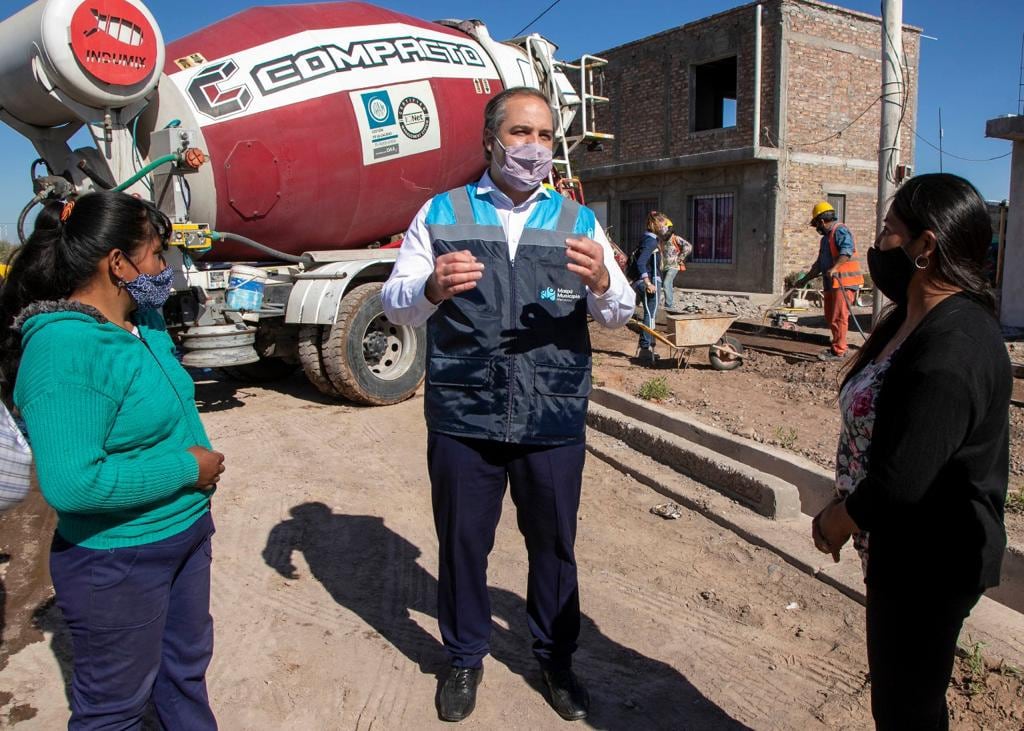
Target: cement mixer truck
290,146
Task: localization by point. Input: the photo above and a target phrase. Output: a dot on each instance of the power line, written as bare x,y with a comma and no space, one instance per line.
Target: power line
838,133
958,157
519,32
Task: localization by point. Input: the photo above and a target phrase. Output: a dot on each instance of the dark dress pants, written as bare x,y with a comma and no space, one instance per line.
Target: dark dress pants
912,638
468,479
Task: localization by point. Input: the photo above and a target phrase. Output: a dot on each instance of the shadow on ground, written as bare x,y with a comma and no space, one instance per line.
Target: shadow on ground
216,391
373,571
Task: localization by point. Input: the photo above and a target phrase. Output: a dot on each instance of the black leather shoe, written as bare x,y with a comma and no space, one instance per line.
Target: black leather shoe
568,697
458,694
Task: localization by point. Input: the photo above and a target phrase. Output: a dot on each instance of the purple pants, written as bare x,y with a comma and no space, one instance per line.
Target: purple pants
141,630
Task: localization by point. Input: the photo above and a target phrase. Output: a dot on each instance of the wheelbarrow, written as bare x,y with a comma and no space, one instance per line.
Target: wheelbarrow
697,331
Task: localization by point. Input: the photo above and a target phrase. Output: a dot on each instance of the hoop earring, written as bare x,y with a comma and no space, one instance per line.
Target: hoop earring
918,264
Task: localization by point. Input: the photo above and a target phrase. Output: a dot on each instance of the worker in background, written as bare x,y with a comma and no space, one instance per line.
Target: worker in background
504,272
647,279
674,252
840,273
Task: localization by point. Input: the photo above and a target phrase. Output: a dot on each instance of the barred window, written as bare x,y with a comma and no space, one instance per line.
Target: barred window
634,221
711,218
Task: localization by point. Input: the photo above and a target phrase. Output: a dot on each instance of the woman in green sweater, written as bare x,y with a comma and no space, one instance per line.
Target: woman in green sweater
121,455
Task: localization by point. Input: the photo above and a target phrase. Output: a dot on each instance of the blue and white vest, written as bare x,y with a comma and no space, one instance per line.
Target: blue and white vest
510,360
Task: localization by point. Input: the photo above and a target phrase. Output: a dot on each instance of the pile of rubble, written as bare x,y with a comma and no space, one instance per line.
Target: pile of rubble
693,302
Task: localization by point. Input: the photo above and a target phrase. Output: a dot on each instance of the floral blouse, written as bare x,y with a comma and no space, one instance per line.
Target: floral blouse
857,406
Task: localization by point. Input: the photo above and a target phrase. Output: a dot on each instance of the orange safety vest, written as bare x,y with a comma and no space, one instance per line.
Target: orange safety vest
848,274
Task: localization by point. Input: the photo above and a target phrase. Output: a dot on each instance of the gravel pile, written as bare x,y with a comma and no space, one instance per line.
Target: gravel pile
694,302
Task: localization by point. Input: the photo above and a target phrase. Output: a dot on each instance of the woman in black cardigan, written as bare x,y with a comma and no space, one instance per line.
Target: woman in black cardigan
923,458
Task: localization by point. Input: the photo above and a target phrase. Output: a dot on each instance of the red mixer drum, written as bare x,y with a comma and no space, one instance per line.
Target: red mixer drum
327,125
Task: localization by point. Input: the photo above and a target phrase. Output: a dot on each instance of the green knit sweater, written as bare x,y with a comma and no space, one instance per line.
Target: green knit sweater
110,417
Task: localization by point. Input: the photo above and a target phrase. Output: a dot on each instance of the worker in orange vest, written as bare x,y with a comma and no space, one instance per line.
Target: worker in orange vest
840,274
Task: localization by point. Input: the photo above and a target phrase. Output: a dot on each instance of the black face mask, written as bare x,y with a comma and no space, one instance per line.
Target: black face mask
891,272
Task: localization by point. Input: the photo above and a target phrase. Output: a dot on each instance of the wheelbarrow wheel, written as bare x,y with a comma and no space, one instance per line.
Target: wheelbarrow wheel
726,354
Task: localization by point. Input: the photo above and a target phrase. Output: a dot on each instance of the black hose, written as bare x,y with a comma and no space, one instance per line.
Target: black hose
23,215
94,176
304,259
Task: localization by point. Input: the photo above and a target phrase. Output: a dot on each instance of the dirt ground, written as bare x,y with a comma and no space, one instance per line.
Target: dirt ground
324,586
787,404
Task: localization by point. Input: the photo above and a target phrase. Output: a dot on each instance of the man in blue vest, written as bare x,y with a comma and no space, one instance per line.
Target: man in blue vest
504,272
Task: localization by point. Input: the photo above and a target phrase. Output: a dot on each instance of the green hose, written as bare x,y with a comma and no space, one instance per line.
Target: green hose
148,169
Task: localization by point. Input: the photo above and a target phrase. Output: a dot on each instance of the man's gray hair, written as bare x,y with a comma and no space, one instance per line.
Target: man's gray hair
494,112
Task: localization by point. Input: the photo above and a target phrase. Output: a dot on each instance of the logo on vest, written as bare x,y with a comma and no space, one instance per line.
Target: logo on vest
559,295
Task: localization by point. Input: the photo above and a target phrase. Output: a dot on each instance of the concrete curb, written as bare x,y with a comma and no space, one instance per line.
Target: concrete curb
815,484
999,627
764,493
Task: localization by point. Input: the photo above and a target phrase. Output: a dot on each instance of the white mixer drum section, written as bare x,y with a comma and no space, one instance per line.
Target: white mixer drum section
100,54
321,62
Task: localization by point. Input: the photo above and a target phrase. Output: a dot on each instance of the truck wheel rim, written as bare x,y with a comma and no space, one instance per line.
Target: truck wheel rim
388,349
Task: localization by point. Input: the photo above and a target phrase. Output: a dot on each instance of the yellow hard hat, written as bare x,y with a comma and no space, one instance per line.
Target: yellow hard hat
819,208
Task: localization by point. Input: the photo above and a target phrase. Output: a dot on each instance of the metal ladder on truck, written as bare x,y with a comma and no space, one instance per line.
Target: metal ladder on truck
578,107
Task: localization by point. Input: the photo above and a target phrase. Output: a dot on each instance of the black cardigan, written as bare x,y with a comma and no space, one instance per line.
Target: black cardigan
938,465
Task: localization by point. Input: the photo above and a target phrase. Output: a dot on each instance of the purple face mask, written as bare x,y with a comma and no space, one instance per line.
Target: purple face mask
526,166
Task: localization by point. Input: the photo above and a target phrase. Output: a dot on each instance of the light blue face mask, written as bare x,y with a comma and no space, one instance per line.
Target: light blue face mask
150,291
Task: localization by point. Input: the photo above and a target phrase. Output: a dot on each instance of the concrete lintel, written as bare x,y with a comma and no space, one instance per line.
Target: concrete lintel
731,156
815,484
766,494
850,163
1010,127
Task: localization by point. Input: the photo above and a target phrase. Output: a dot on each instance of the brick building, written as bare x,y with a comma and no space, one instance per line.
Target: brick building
682,112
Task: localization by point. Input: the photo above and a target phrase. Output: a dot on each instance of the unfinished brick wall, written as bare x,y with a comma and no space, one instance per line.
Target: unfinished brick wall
820,69
833,74
806,185
649,82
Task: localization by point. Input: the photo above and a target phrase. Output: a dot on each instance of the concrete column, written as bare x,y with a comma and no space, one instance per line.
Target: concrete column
1011,309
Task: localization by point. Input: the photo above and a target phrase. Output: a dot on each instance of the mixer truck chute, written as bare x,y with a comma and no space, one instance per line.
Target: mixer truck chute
290,146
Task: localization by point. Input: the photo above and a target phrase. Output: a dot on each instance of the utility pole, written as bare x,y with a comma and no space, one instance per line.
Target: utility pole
940,139
892,109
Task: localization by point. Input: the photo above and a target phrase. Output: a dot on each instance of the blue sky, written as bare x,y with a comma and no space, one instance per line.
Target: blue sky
972,71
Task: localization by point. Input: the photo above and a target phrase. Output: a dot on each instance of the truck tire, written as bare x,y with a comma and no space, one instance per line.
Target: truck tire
312,360
368,359
264,370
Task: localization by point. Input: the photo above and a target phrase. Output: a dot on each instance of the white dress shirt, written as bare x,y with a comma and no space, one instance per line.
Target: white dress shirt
403,296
